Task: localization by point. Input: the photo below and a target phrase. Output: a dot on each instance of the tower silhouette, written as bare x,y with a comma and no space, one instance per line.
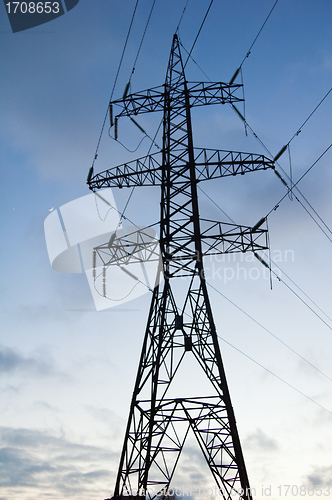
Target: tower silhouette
181,324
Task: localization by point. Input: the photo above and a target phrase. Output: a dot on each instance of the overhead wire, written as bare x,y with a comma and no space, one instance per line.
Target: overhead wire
275,375
290,192
115,81
189,56
278,277
290,189
308,118
181,17
268,331
302,176
199,32
259,32
142,39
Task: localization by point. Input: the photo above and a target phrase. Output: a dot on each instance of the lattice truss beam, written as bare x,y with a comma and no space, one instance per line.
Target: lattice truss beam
158,425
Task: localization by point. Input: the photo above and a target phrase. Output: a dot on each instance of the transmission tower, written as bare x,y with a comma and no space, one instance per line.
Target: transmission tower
181,326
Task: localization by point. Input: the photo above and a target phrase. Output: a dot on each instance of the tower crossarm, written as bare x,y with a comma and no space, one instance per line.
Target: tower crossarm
210,164
215,163
141,102
137,246
142,172
200,94
221,238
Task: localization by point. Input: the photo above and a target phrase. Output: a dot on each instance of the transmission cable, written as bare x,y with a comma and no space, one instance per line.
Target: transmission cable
253,43
305,121
184,10
267,369
115,81
191,57
199,32
268,331
297,286
275,375
290,189
280,279
142,39
294,185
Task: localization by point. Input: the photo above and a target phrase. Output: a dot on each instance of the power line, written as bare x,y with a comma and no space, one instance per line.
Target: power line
253,43
300,298
142,39
115,81
268,331
216,204
305,121
189,55
184,10
303,175
297,286
275,375
278,277
198,33
264,367
290,189
259,32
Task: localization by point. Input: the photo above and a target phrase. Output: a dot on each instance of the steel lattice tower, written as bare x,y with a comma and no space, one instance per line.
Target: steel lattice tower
158,425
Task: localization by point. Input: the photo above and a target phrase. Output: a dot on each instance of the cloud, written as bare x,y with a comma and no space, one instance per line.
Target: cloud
52,466
320,476
12,361
261,441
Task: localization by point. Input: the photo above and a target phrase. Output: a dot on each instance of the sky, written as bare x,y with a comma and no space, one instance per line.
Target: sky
67,371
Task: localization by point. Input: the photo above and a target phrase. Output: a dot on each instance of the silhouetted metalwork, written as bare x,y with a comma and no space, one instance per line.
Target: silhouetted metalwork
158,425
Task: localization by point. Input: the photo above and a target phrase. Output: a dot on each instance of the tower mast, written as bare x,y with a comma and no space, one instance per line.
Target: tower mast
183,325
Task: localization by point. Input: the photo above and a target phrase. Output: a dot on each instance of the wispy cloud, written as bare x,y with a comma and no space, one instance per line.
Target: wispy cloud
12,361
260,440
33,459
320,476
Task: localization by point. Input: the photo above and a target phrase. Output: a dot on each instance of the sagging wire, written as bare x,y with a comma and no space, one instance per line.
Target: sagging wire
280,153
290,192
269,250
253,43
268,331
198,33
141,43
195,62
104,286
124,146
276,275
127,88
115,81
244,105
184,10
275,375
116,138
262,366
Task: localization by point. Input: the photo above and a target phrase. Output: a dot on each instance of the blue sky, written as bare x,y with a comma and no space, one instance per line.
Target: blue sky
66,371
